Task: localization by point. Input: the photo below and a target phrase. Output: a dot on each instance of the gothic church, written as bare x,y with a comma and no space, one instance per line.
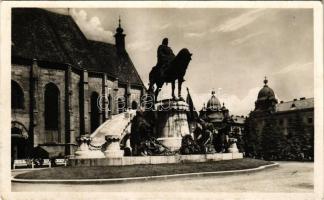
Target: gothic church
57,76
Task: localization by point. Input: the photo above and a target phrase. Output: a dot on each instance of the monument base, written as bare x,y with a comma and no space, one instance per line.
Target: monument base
114,154
173,143
173,122
152,160
233,147
84,152
113,149
89,154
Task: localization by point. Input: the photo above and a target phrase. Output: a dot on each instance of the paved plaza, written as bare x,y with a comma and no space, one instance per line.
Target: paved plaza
288,177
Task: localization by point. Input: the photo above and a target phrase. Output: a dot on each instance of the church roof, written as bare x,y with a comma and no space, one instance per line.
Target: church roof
118,64
33,37
47,36
300,104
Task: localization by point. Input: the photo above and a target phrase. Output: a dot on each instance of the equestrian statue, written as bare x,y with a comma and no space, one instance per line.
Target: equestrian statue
168,69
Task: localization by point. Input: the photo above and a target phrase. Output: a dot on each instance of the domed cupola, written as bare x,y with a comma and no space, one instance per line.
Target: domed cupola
214,112
213,103
266,98
266,92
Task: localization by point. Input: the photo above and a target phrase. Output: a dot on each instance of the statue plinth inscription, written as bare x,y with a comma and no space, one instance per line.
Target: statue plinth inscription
173,123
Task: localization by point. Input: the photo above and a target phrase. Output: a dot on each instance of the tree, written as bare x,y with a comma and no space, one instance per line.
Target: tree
300,139
251,139
237,134
310,150
272,140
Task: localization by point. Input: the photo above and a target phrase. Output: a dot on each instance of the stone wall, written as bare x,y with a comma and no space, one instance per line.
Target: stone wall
42,136
121,94
95,85
111,92
140,160
75,103
135,95
20,74
54,141
50,76
282,120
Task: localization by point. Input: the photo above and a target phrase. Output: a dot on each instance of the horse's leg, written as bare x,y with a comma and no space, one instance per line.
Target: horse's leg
179,89
150,87
173,88
152,78
158,88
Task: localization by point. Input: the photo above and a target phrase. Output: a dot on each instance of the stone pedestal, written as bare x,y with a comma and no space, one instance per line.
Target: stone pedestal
173,123
83,151
233,147
113,148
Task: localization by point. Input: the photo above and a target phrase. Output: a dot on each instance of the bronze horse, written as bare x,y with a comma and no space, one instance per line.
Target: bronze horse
174,70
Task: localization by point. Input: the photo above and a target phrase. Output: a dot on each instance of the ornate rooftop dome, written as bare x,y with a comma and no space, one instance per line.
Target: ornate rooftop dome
213,102
266,92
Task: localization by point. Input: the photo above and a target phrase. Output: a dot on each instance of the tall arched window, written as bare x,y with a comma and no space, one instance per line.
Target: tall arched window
109,105
134,105
17,96
95,116
121,105
52,99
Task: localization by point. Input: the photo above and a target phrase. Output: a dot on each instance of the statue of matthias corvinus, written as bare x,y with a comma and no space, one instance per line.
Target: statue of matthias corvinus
168,69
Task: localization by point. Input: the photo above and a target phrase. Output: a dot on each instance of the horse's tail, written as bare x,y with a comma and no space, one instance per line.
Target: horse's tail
151,79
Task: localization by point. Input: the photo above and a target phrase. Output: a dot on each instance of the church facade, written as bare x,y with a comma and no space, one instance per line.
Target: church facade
62,84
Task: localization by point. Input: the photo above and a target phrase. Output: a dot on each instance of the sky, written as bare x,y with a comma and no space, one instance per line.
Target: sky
233,49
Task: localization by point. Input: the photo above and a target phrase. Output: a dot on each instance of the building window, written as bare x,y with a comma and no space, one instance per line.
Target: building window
52,98
95,116
17,96
16,131
134,105
310,120
109,104
18,144
121,105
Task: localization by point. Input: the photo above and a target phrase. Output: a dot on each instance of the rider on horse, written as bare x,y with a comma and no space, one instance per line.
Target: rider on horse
164,54
168,69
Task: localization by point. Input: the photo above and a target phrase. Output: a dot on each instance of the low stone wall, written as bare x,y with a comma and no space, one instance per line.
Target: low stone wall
140,160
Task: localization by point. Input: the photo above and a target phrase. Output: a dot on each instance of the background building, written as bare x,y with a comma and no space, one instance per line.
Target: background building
228,126
283,130
219,115
56,79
